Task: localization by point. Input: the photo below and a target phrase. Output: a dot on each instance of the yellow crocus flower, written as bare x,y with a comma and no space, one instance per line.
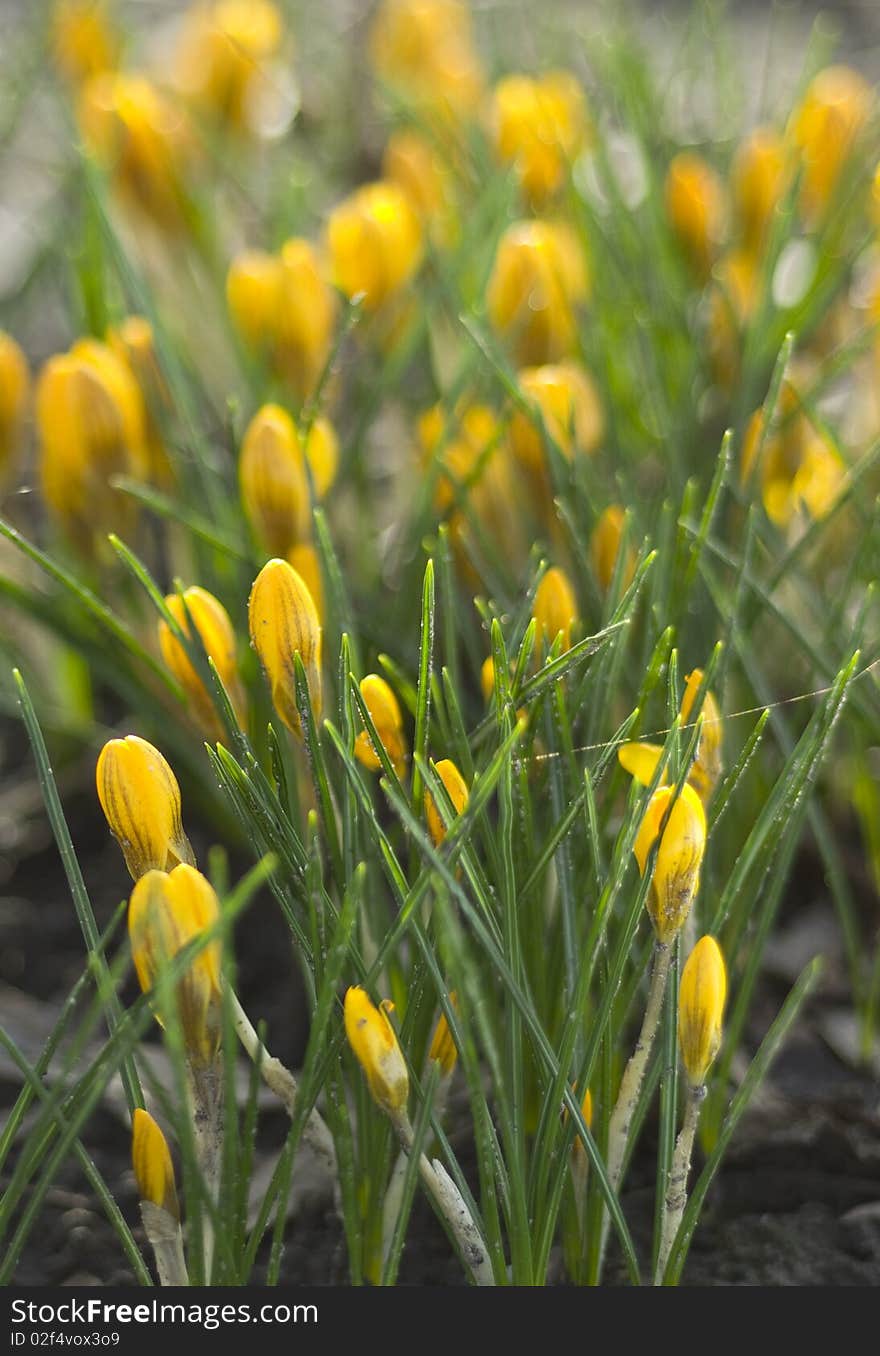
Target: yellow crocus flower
140,798
284,623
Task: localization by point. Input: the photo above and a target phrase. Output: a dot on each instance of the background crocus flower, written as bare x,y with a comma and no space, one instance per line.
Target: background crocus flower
538,281
696,208
457,790
385,714
216,633
15,383
555,610
424,49
374,240
539,125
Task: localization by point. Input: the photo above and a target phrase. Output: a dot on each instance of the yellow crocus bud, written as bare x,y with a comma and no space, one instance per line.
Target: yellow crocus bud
374,239
306,317
384,710
224,62
273,478
555,610
166,912
374,1042
578,1149
215,630
676,877
132,342
570,407
15,383
487,678
758,181
456,787
732,303
90,418
304,559
605,548
799,471
539,126
465,442
706,768
141,801
411,161
424,49
696,209
151,1161
538,280
825,130
443,1050
83,40
141,138
253,289
284,623
701,998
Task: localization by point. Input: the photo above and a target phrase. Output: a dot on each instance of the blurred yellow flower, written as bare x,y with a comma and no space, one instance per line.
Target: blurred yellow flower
555,611
539,125
605,548
224,61
141,802
538,280
415,165
385,714
15,387
732,301
304,559
758,181
374,240
424,49
166,912
284,623
799,470
457,790
374,1042
701,998
569,405
215,630
132,341
83,39
696,208
825,130
273,475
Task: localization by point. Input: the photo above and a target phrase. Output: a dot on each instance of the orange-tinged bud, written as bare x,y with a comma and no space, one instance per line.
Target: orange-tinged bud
211,621
384,710
758,182
538,280
706,768
457,790
570,408
284,623
151,1161
701,998
605,548
304,559
555,610
141,138
825,130
374,1042
224,63
424,49
587,1113
273,477
166,912
15,384
90,417
487,678
84,42
696,209
540,126
443,1050
676,876
141,801
374,239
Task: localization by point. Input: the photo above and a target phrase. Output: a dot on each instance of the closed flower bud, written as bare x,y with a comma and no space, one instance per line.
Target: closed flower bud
141,802
166,912
466,442
706,769
424,50
696,210
83,40
410,161
374,239
141,138
456,787
132,342
825,130
90,417
605,548
224,62
274,480
555,610
211,621
487,678
538,280
151,1161
304,559
701,999
15,385
253,292
758,182
384,711
443,1050
676,875
539,126
374,1042
800,470
306,317
570,408
732,301
578,1149
284,623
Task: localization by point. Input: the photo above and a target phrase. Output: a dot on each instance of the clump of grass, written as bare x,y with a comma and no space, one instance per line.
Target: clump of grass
517,468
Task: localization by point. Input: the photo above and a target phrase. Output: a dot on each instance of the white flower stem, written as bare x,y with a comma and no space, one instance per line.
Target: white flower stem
676,1191
206,1087
166,1239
